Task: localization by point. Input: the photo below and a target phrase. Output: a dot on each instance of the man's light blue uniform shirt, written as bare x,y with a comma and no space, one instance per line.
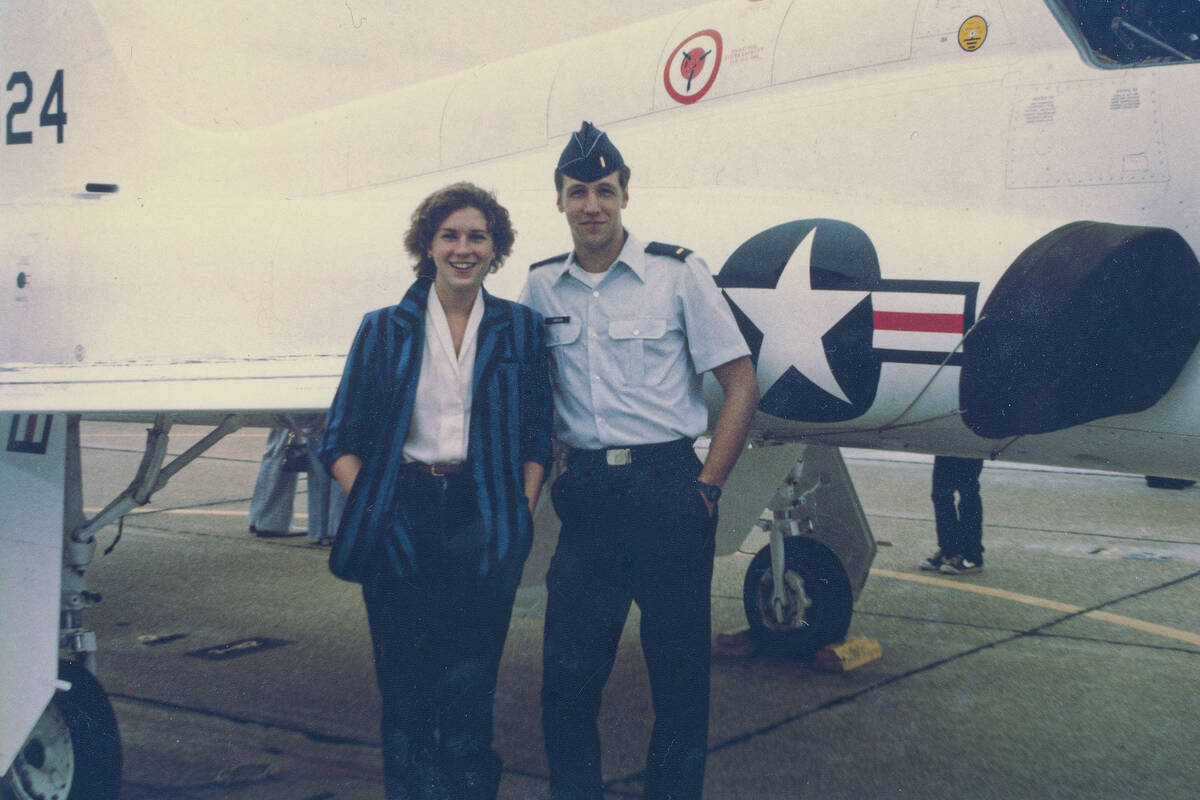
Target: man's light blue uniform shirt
627,355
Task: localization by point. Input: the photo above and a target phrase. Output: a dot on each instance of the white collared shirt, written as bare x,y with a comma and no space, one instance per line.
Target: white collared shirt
628,351
441,419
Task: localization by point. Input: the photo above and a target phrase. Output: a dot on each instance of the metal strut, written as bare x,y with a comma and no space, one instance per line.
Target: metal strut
79,539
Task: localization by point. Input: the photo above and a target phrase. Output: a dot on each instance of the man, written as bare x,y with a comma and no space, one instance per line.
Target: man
631,329
959,527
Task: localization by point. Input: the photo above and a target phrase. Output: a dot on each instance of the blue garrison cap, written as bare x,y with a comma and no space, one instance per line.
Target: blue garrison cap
589,155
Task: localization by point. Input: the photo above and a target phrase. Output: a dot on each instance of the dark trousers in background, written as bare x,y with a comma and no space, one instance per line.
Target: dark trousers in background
959,528
632,533
438,638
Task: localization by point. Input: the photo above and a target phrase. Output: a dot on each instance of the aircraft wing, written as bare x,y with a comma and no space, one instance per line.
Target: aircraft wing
193,392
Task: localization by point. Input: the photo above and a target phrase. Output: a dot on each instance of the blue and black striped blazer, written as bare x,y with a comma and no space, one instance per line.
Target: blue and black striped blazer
511,415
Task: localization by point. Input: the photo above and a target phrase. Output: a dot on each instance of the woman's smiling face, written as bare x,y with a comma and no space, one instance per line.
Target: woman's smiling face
462,250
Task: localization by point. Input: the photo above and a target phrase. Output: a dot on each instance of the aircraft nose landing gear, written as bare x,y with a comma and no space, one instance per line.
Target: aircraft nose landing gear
800,589
808,609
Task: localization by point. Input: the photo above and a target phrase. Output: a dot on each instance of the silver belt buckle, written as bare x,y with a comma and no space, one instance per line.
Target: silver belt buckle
618,457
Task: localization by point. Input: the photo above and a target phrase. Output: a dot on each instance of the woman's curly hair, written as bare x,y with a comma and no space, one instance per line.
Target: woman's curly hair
433,210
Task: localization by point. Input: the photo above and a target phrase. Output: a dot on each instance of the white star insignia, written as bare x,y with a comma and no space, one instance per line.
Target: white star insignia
793,317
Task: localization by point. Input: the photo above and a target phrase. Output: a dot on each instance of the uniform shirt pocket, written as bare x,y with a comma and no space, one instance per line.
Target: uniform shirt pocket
638,341
561,333
558,337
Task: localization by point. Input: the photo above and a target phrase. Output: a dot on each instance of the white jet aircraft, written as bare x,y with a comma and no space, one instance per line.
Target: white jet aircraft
960,227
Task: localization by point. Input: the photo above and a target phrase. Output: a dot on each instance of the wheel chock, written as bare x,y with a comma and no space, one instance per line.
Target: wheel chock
848,655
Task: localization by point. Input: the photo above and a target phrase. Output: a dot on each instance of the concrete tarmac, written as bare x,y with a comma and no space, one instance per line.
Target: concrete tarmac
1069,667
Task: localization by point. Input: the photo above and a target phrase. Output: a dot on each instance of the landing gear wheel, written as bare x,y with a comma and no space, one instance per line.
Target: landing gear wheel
818,599
74,750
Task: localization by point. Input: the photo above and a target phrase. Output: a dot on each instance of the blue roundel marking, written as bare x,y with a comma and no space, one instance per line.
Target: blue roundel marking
843,260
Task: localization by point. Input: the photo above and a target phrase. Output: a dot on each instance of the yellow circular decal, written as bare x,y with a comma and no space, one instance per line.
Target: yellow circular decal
972,33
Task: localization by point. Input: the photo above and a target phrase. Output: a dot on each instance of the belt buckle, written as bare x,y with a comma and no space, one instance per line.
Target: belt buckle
618,457
436,472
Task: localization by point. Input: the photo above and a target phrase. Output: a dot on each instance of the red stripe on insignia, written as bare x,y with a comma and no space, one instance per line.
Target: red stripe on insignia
920,323
31,427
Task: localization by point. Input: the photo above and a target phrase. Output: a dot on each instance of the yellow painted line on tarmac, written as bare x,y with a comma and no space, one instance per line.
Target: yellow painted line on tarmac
1147,627
947,583
1041,602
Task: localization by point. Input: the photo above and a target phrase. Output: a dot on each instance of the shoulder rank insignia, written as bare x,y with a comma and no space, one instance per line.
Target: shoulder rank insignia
671,250
550,260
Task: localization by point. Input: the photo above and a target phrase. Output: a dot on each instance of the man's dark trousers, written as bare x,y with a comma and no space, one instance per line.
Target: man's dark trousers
959,528
639,532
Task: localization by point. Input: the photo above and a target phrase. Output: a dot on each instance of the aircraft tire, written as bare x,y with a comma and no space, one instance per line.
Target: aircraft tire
812,567
74,751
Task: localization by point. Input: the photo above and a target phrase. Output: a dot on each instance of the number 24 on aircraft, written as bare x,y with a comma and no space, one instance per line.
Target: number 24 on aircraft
52,116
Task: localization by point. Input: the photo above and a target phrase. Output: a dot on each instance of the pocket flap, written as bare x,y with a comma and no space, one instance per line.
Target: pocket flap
562,333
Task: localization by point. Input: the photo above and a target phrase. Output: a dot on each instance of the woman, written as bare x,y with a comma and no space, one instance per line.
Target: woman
440,435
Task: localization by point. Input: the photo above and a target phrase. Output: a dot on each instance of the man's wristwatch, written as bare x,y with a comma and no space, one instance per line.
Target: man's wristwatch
710,492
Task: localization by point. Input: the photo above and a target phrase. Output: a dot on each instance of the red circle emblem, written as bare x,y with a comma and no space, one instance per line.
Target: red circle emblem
693,66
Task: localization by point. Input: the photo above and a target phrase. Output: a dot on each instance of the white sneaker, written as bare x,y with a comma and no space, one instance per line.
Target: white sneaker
960,565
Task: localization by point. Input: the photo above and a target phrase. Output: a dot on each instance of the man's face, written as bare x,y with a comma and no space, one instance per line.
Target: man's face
594,211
